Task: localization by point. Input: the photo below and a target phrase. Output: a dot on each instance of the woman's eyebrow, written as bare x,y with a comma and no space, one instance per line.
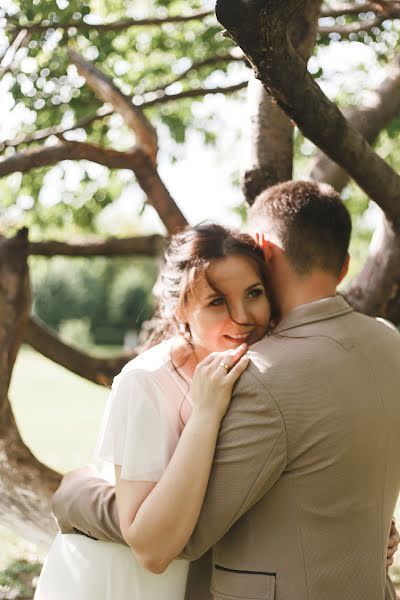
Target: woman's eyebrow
214,295
253,285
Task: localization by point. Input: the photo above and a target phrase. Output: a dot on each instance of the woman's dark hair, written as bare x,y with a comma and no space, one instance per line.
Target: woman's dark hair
187,258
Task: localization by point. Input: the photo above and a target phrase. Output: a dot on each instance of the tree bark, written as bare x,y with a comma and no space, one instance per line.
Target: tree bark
25,484
151,245
270,133
99,370
376,290
260,28
146,135
383,106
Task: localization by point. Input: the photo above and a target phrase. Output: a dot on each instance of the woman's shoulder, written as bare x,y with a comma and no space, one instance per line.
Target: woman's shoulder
149,364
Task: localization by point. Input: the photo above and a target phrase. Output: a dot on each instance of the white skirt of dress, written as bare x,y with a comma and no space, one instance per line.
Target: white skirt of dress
78,568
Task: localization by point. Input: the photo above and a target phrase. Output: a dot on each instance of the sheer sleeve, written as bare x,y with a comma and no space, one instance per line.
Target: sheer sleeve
137,432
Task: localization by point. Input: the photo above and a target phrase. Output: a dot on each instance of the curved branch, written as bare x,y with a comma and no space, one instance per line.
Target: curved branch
260,28
146,135
211,60
51,155
376,289
135,160
99,370
104,112
383,107
346,30
151,245
195,93
379,6
57,130
119,25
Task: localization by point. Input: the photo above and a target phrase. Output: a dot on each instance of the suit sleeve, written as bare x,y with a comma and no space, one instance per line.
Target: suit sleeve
250,456
87,504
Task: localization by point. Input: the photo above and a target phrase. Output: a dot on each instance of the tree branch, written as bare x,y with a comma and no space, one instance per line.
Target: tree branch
47,342
383,106
21,40
119,25
104,88
194,93
104,112
135,160
270,131
260,28
355,9
57,130
376,289
346,30
196,65
50,155
151,245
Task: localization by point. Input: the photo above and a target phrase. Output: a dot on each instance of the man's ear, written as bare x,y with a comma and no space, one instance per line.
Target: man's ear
265,245
345,268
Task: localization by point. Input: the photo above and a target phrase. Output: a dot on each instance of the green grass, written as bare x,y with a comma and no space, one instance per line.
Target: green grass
58,413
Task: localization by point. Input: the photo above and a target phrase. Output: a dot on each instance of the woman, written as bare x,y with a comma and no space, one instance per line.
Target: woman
162,421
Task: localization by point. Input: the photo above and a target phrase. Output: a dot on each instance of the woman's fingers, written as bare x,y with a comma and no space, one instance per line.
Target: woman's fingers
238,369
226,360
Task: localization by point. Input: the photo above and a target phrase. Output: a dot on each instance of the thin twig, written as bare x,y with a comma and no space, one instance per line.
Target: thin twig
119,25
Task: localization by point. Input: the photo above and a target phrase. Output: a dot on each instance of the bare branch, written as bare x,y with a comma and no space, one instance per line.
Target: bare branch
151,245
211,60
104,112
260,28
346,30
20,41
135,160
47,342
50,155
383,106
104,88
119,25
194,93
378,7
57,130
376,289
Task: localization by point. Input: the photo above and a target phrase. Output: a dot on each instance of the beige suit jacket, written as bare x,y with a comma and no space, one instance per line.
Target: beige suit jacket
306,472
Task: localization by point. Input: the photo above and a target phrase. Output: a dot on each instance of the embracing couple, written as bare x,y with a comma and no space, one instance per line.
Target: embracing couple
261,473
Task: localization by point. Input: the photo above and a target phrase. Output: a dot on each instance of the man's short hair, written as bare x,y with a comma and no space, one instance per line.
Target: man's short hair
310,221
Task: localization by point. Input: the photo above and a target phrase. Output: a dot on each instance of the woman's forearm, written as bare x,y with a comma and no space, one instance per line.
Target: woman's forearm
165,520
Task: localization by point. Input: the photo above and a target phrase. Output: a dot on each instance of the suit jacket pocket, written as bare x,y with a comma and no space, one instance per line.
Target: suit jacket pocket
234,584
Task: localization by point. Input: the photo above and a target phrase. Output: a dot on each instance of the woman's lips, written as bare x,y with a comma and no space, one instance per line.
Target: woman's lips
242,337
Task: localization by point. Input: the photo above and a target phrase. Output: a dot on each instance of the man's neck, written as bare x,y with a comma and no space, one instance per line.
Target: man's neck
303,291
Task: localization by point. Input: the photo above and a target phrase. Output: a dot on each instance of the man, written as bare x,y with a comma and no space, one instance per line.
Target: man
307,467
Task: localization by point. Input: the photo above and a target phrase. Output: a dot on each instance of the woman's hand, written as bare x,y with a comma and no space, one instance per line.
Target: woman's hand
394,540
214,379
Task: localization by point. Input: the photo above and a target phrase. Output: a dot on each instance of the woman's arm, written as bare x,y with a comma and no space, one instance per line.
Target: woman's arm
157,519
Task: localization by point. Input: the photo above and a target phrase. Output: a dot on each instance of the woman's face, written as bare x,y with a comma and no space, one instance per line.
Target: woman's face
239,314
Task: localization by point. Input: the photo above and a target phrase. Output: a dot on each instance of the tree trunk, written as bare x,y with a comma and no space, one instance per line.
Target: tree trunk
25,484
270,132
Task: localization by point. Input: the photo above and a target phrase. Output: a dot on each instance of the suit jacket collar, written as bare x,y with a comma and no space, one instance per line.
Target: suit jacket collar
327,308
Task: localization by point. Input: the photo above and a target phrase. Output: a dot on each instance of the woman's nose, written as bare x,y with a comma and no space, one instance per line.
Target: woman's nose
239,314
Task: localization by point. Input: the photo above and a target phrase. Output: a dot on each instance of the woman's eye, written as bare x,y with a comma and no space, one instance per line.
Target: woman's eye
256,292
217,302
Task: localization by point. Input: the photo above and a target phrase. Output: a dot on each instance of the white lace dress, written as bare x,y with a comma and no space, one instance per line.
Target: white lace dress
141,429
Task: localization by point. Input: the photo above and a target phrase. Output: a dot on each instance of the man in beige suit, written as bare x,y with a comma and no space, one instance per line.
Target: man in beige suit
306,472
